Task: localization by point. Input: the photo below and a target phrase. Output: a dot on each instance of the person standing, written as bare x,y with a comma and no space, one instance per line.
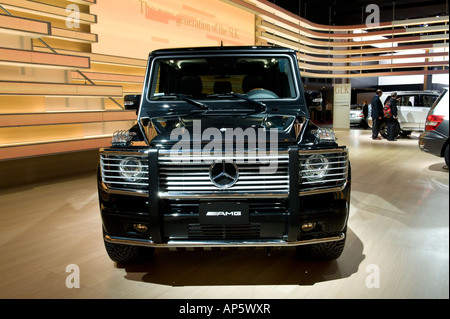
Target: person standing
319,113
391,117
366,114
328,108
377,114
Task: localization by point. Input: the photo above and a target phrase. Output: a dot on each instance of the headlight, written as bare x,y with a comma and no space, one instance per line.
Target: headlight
324,170
131,169
325,135
315,167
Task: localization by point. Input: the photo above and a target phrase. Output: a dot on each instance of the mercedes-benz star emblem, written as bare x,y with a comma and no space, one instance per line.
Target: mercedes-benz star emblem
223,174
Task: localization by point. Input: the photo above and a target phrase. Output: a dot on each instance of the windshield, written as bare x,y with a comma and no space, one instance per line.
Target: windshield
209,78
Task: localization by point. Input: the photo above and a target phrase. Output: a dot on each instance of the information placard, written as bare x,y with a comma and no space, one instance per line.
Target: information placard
341,106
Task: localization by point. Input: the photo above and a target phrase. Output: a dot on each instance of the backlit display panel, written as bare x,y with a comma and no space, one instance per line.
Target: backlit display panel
133,28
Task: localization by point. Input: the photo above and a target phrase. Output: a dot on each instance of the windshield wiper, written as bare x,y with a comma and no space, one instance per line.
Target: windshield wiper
262,106
192,101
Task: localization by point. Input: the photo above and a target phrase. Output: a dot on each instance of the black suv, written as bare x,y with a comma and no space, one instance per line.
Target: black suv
223,155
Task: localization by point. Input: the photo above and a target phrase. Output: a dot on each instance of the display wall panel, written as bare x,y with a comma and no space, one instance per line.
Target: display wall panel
109,77
142,26
23,135
21,104
24,26
57,89
29,58
53,147
73,35
43,9
44,98
47,118
105,59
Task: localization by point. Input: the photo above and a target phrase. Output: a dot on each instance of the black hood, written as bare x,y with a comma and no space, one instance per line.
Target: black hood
248,132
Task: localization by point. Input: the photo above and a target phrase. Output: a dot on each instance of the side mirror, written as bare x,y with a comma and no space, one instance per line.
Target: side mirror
132,102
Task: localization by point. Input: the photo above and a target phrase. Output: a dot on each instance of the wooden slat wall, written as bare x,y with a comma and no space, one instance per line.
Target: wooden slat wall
25,58
63,113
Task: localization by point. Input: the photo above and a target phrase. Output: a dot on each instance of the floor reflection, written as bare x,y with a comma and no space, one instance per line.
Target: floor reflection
250,266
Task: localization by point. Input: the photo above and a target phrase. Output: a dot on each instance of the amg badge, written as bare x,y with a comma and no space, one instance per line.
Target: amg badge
223,213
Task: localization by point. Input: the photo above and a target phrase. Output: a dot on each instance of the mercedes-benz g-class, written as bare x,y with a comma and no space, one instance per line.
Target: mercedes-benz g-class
223,154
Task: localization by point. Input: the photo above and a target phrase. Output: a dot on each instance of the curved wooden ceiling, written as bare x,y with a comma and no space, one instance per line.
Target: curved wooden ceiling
403,47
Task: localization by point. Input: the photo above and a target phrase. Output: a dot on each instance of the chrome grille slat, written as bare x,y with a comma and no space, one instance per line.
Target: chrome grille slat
232,189
144,177
337,162
251,182
128,183
208,163
204,178
328,181
325,169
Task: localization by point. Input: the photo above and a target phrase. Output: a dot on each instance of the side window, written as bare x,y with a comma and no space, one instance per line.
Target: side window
428,100
408,100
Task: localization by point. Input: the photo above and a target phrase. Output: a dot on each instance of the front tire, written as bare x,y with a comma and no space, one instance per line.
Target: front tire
125,254
322,252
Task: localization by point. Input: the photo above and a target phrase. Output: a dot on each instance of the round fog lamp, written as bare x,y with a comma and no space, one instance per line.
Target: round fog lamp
308,226
131,168
140,228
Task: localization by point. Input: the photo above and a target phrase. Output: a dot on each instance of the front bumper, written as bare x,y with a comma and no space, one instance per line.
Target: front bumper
355,120
217,243
432,142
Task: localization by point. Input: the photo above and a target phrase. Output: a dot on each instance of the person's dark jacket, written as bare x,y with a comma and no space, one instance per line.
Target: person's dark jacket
365,110
394,109
377,107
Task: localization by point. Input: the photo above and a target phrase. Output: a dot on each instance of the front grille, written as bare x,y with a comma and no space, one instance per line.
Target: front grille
124,171
324,170
198,231
191,177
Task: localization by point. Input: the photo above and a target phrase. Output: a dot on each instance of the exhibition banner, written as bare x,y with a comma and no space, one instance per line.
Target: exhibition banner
133,28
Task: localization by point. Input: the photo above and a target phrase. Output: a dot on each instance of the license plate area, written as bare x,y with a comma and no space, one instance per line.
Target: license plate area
224,213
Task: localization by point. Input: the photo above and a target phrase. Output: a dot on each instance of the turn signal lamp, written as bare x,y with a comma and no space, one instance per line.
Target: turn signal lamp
122,138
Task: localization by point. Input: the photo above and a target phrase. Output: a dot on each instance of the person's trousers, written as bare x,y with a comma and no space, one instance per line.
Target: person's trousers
376,127
392,128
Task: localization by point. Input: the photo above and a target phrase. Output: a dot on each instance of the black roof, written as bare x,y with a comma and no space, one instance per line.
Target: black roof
224,49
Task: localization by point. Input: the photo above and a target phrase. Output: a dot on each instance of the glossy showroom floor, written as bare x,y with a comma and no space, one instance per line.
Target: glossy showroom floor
397,244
